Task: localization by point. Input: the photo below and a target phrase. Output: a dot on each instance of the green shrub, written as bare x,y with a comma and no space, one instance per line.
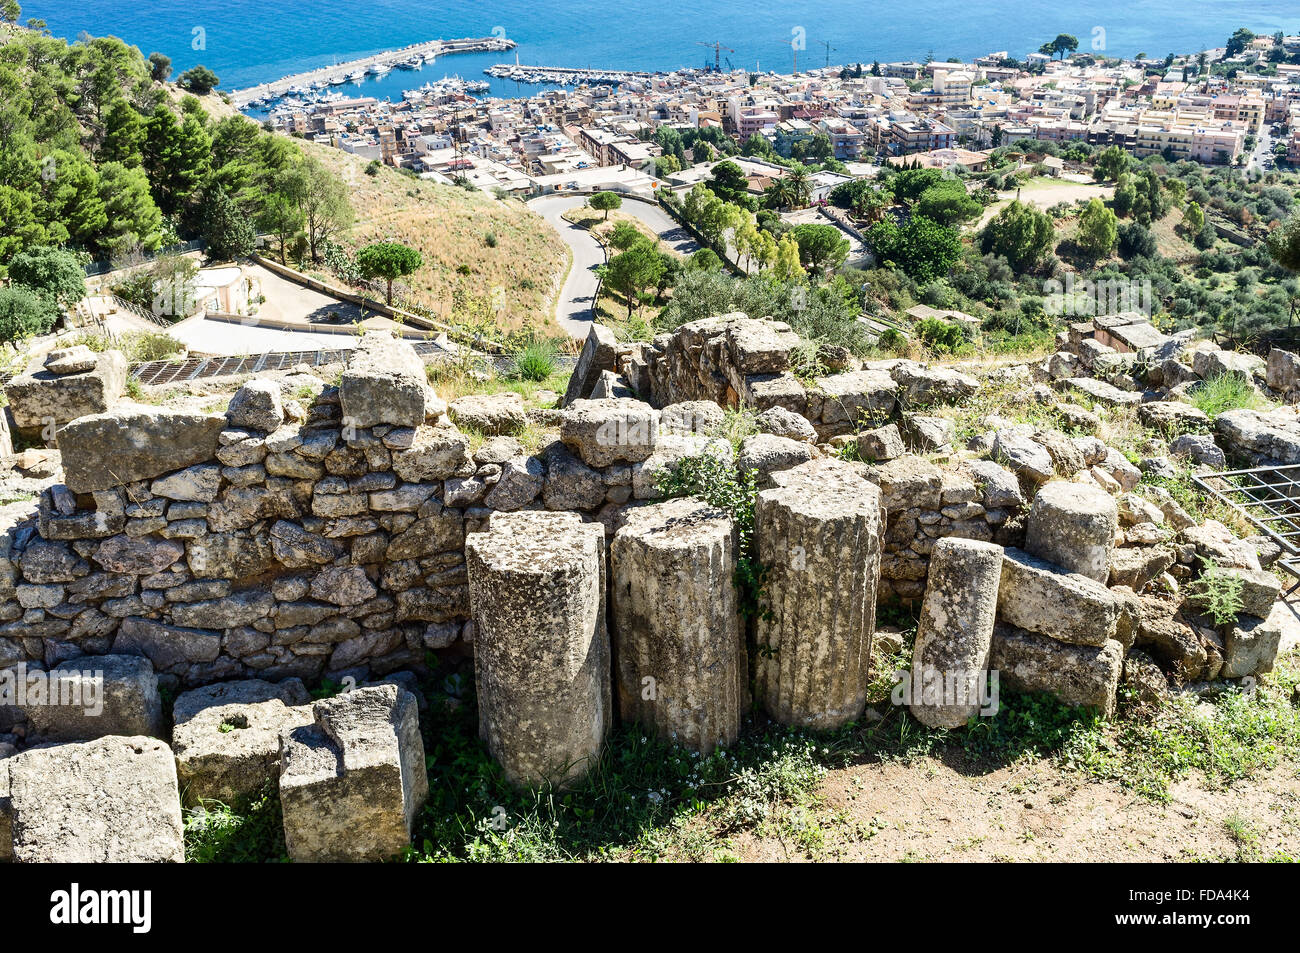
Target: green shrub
24,313
943,337
713,478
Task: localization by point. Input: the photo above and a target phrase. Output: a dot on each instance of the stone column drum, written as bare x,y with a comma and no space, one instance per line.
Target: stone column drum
1073,525
818,537
541,650
681,666
955,632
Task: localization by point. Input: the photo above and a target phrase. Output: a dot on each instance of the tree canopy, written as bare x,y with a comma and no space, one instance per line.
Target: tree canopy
388,261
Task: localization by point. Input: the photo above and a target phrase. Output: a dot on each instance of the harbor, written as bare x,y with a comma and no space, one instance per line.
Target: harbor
562,75
354,71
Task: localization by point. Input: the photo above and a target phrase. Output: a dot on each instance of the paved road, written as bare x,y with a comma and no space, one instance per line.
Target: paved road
573,308
1263,151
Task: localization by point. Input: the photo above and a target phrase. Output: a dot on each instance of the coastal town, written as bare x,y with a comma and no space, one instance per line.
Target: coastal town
608,134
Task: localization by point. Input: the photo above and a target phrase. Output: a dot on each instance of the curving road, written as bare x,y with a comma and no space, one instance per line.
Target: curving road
577,297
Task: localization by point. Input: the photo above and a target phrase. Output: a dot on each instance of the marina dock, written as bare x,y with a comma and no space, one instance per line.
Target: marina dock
563,75
339,73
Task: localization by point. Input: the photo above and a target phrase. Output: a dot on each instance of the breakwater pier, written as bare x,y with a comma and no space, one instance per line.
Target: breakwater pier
339,73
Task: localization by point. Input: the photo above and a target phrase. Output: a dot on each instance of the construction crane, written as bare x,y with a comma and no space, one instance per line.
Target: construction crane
829,50
717,49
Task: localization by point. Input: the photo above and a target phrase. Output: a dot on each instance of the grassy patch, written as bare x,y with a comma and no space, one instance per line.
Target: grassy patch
1241,733
650,800
1224,392
249,832
138,346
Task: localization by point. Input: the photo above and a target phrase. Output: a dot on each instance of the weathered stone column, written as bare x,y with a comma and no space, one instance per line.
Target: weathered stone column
818,535
1073,525
955,631
541,651
680,653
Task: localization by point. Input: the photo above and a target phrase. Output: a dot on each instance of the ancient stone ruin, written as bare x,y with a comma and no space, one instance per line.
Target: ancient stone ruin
237,559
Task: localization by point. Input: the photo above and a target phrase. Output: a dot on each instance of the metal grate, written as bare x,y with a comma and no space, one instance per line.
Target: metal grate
1269,497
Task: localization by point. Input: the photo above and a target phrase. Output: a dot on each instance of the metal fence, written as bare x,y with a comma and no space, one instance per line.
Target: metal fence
1269,497
153,373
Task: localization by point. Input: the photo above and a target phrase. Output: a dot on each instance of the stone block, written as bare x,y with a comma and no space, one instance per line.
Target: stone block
227,736
352,783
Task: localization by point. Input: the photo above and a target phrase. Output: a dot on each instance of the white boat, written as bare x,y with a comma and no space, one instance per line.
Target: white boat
356,76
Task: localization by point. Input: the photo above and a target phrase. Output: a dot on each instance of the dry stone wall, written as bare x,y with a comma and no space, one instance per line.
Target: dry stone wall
245,554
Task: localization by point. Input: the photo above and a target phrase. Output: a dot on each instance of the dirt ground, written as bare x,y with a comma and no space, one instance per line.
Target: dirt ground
942,810
949,808
1043,193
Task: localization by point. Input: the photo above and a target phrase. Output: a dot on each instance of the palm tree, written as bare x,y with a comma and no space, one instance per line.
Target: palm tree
872,204
780,194
800,185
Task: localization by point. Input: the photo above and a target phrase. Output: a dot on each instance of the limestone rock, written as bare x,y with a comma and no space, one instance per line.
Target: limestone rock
436,453
170,648
1213,363
1283,371
819,534
1073,526
855,400
352,782
195,484
999,487
1136,566
767,453
781,422
921,386
681,653
604,432
570,484
955,630
70,360
541,650
113,800
1172,417
227,736
881,444
93,696
522,479
1018,452
492,414
139,556
256,406
49,398
1251,644
598,354
1201,448
1082,675
1040,597
107,450
384,382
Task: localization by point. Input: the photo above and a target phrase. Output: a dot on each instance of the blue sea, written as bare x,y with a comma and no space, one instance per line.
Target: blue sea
247,43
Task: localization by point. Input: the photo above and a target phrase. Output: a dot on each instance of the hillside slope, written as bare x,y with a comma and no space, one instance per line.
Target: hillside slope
484,259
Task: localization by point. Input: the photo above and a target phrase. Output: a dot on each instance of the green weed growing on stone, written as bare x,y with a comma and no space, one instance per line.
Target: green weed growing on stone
1217,592
713,478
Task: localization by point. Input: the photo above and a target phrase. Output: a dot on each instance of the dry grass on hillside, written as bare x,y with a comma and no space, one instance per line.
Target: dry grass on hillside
454,230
